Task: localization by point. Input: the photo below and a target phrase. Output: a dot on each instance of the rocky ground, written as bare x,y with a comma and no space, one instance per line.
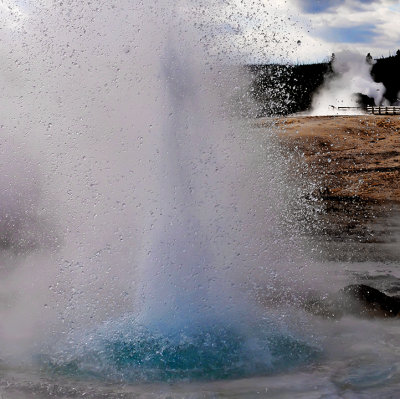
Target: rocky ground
355,156
355,163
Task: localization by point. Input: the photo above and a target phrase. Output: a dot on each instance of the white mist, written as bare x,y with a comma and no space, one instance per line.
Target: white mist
351,75
151,200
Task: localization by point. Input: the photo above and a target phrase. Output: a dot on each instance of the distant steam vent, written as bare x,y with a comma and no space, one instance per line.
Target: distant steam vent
348,81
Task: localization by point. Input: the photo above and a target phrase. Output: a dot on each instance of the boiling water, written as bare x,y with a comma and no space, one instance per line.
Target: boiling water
147,233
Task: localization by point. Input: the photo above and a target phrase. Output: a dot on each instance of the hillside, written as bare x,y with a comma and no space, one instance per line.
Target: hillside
387,71
287,89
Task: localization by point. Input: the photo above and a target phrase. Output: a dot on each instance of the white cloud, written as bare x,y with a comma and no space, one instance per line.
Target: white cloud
382,15
269,30
263,31
12,16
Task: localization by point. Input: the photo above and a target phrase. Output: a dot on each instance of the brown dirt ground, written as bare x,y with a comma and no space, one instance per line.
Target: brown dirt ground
354,156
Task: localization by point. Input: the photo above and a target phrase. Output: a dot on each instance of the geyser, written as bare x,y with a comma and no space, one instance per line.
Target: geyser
165,211
351,76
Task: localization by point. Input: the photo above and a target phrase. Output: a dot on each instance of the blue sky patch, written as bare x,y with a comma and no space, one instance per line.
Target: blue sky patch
395,8
319,6
352,34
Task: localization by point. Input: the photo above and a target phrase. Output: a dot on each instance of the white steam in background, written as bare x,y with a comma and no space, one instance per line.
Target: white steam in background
351,75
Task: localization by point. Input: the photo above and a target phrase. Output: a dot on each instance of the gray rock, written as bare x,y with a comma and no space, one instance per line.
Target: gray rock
357,300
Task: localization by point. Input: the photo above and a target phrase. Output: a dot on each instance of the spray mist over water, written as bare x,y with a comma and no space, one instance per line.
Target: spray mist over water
351,75
157,211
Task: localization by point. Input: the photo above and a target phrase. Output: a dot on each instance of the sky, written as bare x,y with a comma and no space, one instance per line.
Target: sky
311,30
327,26
360,25
275,30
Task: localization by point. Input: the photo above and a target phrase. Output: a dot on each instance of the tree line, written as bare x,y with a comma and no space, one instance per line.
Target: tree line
284,89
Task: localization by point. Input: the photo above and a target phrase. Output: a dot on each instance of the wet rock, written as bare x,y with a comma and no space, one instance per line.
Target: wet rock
357,300
368,301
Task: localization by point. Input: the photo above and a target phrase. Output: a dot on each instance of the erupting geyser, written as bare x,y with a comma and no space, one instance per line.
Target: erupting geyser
351,76
161,211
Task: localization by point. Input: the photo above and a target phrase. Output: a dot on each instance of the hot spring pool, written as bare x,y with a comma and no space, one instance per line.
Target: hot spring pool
127,352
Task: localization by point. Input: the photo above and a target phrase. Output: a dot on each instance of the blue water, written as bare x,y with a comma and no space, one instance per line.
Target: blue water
126,351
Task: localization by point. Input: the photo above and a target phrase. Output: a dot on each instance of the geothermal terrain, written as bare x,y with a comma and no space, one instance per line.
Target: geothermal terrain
354,156
354,165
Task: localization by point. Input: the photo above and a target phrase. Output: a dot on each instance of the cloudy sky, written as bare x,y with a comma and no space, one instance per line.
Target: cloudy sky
327,26
270,30
363,25
310,30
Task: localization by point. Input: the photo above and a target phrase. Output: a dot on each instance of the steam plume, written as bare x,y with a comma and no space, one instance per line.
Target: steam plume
351,75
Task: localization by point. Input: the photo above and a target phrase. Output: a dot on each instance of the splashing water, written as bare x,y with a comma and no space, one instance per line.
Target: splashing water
123,350
159,209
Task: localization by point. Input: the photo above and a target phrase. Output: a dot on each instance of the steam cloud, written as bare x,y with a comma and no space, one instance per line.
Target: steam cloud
351,76
97,106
